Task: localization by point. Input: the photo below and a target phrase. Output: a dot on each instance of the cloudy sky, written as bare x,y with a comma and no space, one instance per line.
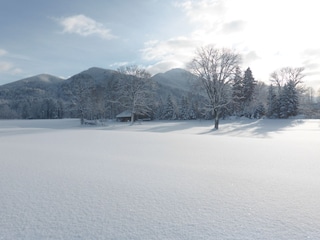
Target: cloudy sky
62,37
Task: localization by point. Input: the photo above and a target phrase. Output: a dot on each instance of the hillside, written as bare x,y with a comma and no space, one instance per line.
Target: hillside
98,74
39,86
38,80
44,95
176,78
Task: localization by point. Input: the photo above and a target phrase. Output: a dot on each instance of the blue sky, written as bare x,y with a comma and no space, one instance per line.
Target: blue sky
62,37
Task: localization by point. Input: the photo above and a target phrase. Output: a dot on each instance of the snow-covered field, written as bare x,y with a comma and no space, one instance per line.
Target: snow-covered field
160,180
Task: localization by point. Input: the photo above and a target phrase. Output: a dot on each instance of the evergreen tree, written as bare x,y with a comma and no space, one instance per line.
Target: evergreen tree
259,100
249,84
170,112
273,103
259,111
192,112
289,100
243,88
159,108
287,80
184,108
237,93
187,108
293,103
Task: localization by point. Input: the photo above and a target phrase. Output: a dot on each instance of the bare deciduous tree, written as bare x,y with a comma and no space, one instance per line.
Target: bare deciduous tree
136,90
286,80
286,74
81,87
215,68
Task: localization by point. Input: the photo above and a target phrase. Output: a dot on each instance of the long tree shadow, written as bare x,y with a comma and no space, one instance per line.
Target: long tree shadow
172,126
261,128
254,128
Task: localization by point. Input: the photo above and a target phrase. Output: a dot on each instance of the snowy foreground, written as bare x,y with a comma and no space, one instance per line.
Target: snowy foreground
160,180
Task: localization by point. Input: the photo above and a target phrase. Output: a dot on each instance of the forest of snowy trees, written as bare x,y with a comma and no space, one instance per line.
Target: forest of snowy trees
215,87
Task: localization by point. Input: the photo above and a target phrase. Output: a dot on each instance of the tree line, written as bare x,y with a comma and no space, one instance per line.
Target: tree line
229,92
219,89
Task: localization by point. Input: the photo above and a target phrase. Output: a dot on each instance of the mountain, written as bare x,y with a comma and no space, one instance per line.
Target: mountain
34,81
42,85
48,96
98,74
176,78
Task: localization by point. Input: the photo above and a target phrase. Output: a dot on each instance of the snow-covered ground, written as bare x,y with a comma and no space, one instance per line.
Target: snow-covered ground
160,180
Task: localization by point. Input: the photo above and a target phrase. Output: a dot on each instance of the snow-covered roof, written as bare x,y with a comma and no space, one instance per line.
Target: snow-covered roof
126,113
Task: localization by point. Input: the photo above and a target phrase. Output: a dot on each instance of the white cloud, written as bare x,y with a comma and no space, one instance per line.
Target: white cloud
233,26
207,12
2,52
7,66
85,26
269,34
178,51
174,47
165,65
173,53
118,64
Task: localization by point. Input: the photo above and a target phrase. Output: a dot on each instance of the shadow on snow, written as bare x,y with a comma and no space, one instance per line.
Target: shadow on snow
254,128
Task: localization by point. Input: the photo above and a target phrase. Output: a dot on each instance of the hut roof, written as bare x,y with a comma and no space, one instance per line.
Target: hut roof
126,113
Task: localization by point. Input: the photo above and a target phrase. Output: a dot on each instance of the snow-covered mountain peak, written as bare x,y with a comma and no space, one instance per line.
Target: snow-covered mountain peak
36,80
176,78
98,74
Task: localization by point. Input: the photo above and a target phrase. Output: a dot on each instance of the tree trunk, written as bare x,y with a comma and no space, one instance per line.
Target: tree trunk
132,118
216,120
82,118
216,123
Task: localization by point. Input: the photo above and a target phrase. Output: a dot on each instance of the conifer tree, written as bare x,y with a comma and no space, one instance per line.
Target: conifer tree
170,112
184,108
273,103
237,93
249,84
287,80
289,100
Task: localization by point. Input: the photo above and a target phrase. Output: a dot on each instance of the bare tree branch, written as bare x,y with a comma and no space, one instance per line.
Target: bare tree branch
136,90
215,68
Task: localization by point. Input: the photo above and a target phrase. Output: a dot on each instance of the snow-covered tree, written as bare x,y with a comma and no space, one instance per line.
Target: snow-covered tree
287,80
48,109
215,68
81,87
112,102
289,100
318,96
159,108
249,84
6,112
187,108
259,111
171,109
284,75
272,103
136,90
237,93
184,108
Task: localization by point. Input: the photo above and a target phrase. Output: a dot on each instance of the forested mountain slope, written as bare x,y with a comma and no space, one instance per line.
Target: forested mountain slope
47,96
